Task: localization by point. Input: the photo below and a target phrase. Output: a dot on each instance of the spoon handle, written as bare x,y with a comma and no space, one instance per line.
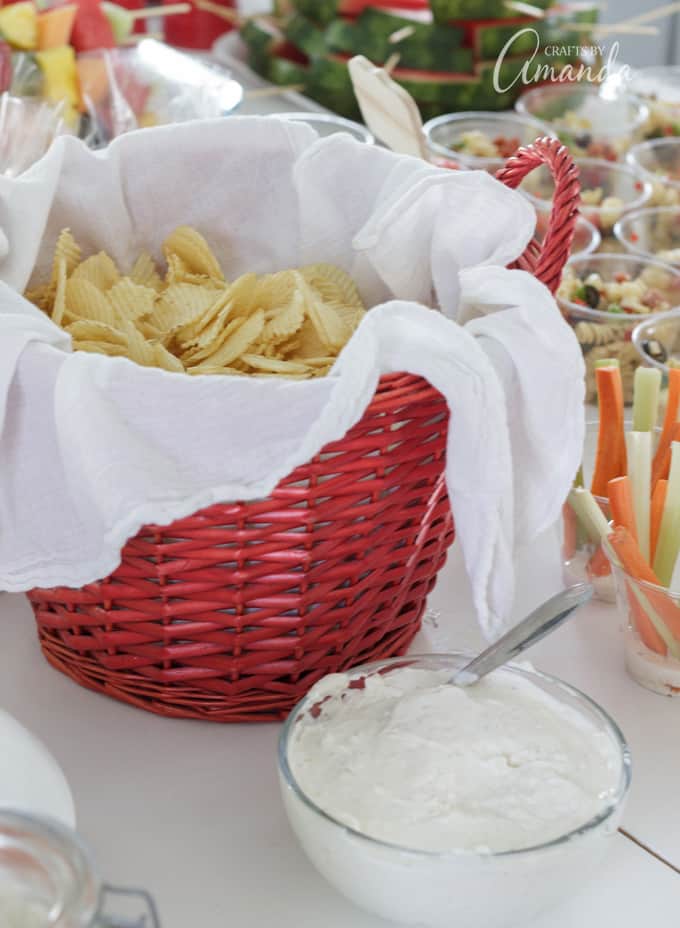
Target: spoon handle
539,623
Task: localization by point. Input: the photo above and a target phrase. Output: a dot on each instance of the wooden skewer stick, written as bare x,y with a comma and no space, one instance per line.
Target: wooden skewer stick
392,62
628,27
232,16
649,17
401,34
526,8
612,28
172,9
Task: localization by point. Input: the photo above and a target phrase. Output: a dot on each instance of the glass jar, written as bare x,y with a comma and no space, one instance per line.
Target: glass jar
48,879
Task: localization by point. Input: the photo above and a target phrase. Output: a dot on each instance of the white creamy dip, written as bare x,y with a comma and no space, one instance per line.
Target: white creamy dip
17,912
415,761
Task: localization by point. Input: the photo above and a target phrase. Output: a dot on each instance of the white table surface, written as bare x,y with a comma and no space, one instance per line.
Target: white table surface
191,810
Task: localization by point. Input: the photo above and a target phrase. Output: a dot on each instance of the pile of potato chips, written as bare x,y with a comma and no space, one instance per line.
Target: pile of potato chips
292,323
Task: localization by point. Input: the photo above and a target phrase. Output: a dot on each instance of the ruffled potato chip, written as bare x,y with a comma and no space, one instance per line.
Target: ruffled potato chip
193,250
99,270
333,285
145,272
130,300
274,365
287,324
286,321
238,342
85,301
89,330
68,249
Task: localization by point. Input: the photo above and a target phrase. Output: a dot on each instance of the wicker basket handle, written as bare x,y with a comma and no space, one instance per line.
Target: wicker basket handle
546,262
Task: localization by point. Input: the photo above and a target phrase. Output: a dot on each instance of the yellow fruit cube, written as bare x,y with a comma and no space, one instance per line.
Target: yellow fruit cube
19,25
60,78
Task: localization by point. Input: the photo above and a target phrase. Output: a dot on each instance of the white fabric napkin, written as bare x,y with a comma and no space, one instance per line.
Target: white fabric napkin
92,448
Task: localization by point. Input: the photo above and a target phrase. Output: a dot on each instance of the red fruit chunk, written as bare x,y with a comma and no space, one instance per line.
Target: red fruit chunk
5,67
91,28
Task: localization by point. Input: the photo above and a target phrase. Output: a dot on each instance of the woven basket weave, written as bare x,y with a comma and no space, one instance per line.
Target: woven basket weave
233,613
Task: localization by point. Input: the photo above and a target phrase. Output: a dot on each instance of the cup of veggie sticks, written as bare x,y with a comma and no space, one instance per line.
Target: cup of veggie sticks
638,470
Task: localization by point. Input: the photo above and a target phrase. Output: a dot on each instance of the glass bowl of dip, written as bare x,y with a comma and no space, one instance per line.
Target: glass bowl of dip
457,885
603,333
592,121
482,141
653,233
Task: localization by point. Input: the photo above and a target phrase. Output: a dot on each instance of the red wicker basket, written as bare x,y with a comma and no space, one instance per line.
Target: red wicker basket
233,613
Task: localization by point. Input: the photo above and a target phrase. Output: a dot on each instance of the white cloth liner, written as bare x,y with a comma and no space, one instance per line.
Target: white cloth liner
92,448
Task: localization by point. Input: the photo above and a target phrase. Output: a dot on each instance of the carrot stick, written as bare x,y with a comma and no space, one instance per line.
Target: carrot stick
659,618
670,419
610,460
598,565
664,464
658,503
621,503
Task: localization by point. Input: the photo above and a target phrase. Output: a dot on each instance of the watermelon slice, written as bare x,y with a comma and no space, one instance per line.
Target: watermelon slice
325,11
427,46
91,29
446,11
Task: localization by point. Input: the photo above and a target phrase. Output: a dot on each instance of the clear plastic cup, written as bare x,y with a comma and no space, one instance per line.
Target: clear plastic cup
583,559
651,622
608,191
586,237
658,161
329,125
608,334
593,122
652,233
657,341
477,130
659,87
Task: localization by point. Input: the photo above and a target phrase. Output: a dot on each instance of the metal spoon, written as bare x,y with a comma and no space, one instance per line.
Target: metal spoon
539,623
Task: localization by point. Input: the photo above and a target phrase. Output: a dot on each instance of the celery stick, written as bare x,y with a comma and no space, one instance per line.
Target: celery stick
589,514
669,532
639,448
646,398
675,579
578,479
608,362
656,620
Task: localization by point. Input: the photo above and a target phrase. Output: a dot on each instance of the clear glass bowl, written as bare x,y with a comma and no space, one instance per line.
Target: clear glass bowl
621,190
657,340
582,559
658,161
464,888
329,125
659,87
653,233
592,122
651,619
609,335
445,134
